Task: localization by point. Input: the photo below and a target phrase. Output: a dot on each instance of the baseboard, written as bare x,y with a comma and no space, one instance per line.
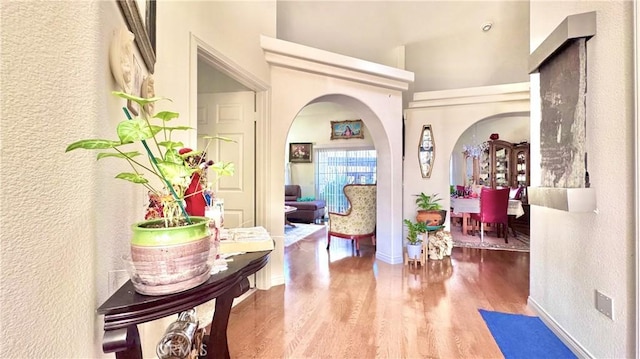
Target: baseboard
244,296
565,337
390,260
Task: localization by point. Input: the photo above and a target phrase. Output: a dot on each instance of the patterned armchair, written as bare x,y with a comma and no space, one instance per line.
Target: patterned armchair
360,219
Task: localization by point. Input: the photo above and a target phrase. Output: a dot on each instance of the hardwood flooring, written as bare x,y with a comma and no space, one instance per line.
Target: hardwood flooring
339,305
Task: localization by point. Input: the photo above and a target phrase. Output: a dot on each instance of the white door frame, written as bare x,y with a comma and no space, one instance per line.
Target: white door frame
199,48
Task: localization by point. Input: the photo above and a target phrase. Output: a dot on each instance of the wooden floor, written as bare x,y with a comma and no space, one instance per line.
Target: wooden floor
339,305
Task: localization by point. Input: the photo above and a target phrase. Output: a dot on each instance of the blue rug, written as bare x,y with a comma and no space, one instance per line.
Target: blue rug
521,336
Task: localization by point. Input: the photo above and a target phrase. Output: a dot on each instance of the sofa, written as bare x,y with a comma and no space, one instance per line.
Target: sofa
306,211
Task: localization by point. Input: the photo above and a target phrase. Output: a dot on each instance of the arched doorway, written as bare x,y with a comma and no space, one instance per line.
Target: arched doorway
302,75
470,166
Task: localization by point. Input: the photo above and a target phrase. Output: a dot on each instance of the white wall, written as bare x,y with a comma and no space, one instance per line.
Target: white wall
233,28
65,219
573,254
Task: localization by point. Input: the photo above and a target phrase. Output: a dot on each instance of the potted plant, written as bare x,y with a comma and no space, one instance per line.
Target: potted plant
430,211
168,253
414,242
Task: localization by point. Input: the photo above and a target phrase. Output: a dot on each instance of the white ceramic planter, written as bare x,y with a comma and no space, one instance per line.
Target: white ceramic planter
414,250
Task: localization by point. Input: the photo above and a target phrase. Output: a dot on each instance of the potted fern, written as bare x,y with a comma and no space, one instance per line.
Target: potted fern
430,211
168,253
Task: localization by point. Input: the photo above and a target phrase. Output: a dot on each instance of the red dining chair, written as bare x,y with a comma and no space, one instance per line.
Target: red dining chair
494,204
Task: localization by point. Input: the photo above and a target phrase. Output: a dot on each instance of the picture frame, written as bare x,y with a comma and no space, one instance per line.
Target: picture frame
300,152
346,129
144,29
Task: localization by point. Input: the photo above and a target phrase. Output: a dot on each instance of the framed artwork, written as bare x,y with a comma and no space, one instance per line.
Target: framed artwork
346,129
300,152
143,28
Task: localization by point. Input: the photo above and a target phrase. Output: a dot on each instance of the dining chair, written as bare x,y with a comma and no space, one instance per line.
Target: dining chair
494,204
359,221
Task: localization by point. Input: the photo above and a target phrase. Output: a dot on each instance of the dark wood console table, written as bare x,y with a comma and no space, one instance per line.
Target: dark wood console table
126,308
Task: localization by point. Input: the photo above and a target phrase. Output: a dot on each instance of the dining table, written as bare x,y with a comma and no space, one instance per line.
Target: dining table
467,205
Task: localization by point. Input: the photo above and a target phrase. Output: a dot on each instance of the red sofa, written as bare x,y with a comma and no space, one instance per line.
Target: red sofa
306,211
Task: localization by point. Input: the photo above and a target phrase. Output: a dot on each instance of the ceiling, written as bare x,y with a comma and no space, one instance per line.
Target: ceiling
370,30
442,42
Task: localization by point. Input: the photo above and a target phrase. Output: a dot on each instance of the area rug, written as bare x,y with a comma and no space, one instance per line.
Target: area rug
520,243
521,336
301,230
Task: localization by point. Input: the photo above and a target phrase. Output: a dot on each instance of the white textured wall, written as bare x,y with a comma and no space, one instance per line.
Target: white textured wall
231,27
64,217
573,254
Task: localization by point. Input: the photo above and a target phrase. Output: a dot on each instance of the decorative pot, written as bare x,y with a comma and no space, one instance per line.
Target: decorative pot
414,251
169,260
432,217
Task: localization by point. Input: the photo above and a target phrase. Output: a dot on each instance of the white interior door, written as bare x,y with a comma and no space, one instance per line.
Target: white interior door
231,115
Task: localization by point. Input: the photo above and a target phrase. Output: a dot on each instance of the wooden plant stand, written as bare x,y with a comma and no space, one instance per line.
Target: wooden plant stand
422,259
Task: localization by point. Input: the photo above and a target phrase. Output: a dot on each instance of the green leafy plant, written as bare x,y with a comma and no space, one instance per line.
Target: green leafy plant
428,202
162,160
414,229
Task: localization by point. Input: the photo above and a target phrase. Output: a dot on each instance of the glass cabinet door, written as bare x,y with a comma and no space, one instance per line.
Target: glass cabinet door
500,163
521,165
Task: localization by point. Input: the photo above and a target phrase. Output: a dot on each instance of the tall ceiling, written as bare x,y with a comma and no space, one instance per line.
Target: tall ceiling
444,44
441,42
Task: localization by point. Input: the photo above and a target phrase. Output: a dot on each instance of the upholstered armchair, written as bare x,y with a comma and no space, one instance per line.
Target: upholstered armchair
359,221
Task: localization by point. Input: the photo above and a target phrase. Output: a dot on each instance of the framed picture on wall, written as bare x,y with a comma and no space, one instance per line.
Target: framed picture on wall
300,152
346,129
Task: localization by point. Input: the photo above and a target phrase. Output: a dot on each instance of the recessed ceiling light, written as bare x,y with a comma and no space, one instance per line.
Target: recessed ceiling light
487,26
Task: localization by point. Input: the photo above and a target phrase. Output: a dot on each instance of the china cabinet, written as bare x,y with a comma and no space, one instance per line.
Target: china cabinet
507,164
501,164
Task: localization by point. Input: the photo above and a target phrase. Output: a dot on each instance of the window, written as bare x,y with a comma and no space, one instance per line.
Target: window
338,167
